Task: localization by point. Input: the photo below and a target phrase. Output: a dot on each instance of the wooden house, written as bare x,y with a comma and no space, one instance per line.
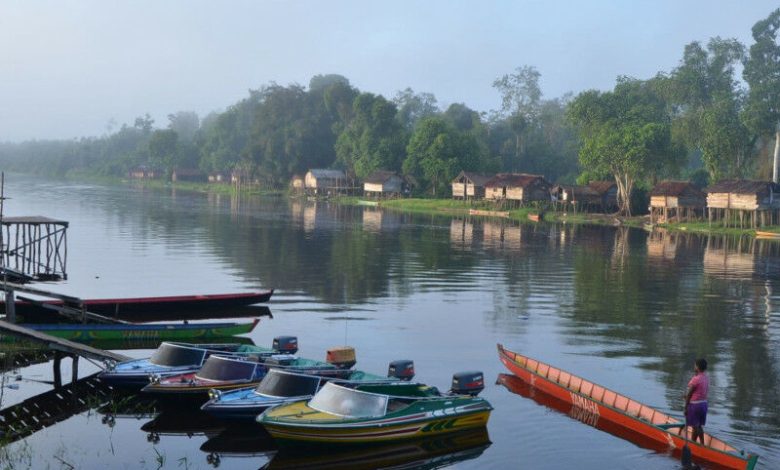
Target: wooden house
751,203
607,190
519,187
676,199
325,181
576,197
143,172
297,184
219,177
188,174
385,184
468,185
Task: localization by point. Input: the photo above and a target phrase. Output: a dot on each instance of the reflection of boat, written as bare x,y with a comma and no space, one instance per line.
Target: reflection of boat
535,217
179,423
277,388
597,403
768,235
152,308
130,331
239,441
172,359
427,453
376,413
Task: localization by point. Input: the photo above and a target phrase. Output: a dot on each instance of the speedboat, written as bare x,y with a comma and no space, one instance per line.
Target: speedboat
375,413
278,387
184,358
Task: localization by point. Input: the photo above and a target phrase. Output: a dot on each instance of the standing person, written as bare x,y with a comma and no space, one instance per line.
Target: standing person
696,400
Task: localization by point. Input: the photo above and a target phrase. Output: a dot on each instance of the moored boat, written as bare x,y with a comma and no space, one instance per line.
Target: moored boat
151,308
228,373
604,404
175,359
86,332
375,413
278,387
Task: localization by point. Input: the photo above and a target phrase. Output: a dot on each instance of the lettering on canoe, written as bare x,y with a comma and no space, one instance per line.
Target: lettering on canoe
584,410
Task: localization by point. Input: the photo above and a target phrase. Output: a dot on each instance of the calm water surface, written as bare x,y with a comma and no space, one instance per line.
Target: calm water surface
624,308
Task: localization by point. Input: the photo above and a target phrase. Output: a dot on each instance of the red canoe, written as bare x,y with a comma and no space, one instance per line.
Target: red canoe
604,404
151,308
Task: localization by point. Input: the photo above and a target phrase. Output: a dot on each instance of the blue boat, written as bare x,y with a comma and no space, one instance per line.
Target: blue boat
175,359
277,387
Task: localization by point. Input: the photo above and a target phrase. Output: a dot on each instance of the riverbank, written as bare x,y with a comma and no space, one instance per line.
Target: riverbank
453,207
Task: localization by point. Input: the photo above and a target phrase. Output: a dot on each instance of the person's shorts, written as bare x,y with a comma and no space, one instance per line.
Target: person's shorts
697,414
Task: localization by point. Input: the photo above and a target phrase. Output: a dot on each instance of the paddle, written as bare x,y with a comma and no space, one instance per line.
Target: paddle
686,458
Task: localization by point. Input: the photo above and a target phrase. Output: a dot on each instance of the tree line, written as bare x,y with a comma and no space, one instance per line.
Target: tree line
698,121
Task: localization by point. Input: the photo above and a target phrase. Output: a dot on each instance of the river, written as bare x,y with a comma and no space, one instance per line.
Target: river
622,307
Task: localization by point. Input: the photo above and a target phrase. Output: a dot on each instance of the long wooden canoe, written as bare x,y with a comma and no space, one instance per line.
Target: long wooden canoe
157,331
606,404
150,308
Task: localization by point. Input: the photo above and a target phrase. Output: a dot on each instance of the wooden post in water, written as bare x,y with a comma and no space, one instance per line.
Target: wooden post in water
10,306
57,372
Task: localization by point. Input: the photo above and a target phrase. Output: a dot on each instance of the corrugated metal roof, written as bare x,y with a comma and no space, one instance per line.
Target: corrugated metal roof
328,174
742,187
381,176
672,188
516,180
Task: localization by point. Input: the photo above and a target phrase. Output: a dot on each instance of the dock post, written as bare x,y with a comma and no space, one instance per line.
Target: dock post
10,306
75,372
57,372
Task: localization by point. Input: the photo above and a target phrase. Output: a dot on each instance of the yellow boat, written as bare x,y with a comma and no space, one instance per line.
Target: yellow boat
375,413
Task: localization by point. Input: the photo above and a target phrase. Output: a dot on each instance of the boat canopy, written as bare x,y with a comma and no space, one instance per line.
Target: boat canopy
226,369
175,355
282,384
341,401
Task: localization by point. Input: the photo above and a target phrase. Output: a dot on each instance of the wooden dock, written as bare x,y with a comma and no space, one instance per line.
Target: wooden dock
63,345
35,245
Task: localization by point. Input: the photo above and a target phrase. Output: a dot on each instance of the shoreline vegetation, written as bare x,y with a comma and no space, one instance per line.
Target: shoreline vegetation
447,207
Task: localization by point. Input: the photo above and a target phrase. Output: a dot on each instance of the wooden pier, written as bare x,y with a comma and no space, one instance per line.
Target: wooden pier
35,245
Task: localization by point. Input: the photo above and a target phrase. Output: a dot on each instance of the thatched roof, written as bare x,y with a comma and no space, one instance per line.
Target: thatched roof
742,187
514,180
578,191
673,188
602,187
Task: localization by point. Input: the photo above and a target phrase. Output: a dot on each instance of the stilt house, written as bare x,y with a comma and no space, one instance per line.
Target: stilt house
519,187
468,185
745,203
676,199
607,190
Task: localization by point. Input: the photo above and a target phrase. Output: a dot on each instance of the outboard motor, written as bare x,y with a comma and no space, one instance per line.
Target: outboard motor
286,344
468,383
402,369
343,357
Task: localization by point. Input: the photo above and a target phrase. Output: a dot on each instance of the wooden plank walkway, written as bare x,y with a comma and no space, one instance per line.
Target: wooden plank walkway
59,344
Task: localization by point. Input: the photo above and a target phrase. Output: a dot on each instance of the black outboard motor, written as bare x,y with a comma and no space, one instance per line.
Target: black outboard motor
402,369
468,383
286,344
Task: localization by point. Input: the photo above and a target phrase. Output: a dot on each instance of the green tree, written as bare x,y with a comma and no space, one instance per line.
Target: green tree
163,149
625,132
412,107
373,139
520,99
762,73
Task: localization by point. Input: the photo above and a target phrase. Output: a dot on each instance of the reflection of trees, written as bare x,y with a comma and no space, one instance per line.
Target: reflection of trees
712,302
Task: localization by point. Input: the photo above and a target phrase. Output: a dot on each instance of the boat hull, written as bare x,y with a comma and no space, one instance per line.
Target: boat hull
161,332
524,368
152,308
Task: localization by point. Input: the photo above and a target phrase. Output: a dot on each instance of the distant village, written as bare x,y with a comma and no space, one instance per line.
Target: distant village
739,203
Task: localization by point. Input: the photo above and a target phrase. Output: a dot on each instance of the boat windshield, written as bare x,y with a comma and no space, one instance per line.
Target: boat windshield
281,384
220,368
343,401
174,355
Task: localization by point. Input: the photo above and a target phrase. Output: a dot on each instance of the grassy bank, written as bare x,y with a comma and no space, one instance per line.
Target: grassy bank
453,207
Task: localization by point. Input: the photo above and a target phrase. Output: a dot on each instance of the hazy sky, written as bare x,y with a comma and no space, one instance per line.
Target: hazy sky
68,67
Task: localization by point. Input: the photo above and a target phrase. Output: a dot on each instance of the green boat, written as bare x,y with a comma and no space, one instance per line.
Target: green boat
131,331
375,413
